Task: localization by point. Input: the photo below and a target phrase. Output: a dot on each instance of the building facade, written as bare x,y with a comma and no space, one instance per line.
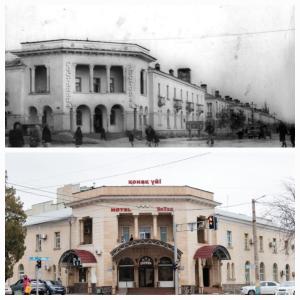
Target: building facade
122,237
96,86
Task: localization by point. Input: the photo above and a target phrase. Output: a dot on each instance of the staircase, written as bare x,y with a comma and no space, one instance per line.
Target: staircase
150,291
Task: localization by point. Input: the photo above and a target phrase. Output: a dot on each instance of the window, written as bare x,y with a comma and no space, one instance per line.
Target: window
165,269
261,243
286,247
247,272
86,225
38,243
229,238
142,82
57,240
275,272
41,79
201,229
168,92
21,271
145,232
78,84
112,85
78,117
262,271
125,234
97,85
158,89
126,269
246,241
174,92
287,272
274,246
232,272
228,271
164,233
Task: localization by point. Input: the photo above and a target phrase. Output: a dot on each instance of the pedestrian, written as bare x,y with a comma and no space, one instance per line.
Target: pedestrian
46,136
292,135
156,140
131,138
78,137
149,135
15,136
35,136
26,285
102,134
210,129
59,281
282,132
131,238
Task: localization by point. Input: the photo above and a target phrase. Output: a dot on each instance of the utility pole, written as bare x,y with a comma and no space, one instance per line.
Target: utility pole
175,258
257,284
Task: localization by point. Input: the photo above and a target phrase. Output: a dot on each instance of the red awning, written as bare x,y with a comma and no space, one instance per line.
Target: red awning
212,250
85,256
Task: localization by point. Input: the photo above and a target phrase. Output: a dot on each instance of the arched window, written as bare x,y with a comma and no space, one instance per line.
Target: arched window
275,272
21,271
228,271
247,272
262,271
165,269
232,272
287,272
168,119
78,117
126,269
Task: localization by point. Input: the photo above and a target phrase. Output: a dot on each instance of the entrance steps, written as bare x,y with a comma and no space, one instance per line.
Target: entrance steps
212,290
150,291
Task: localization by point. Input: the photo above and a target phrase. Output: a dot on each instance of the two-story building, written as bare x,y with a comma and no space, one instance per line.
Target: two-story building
122,237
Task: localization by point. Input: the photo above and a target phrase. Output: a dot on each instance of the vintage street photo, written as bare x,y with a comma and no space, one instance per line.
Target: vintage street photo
149,74
150,223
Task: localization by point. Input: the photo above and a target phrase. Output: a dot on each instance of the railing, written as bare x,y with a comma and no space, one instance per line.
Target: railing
177,104
190,106
161,101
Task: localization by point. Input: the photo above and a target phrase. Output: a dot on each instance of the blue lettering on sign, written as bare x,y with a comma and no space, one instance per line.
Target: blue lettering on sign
36,258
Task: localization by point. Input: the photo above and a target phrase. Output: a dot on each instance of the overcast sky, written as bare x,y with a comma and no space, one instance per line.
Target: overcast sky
245,51
234,175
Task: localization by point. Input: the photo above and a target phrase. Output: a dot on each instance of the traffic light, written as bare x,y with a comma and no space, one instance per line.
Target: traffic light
38,264
212,222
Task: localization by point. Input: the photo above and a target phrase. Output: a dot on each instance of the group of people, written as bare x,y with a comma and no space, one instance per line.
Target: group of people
151,137
36,136
283,131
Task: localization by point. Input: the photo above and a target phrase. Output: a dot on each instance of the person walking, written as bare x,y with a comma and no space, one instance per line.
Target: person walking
156,140
131,138
35,136
46,136
282,132
15,136
103,134
78,137
292,134
149,135
26,285
210,129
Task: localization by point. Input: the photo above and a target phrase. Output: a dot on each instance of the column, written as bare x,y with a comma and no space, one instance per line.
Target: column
124,79
108,79
136,226
91,78
33,79
48,79
74,77
155,226
200,266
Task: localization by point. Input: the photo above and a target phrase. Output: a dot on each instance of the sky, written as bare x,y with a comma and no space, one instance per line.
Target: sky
235,176
243,50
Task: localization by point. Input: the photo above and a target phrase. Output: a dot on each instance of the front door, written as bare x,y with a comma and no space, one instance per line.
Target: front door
206,277
98,121
146,277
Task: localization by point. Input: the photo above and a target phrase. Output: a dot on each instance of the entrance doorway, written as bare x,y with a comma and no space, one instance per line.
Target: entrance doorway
146,272
206,277
98,119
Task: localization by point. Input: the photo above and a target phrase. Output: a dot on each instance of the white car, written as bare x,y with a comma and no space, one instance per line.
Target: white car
286,288
8,290
266,288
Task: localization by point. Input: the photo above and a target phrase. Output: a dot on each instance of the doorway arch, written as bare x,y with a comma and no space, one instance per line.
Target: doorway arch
33,115
100,118
48,116
117,118
83,118
146,272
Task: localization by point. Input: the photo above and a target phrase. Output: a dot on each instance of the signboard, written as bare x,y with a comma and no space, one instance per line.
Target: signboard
36,258
127,209
194,125
144,181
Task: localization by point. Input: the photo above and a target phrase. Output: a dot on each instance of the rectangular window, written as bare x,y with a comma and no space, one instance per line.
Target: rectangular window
168,92
201,229
274,246
261,244
164,233
78,84
174,92
158,89
86,225
97,85
229,238
125,234
38,243
246,241
57,240
286,247
145,232
112,85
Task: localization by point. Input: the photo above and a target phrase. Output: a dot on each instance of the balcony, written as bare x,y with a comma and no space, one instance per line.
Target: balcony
190,106
177,104
209,115
199,108
161,101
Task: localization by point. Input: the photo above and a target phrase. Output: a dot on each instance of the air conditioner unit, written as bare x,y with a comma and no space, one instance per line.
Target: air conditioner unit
43,236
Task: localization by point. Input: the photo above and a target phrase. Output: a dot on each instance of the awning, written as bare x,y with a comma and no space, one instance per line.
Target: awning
212,250
86,257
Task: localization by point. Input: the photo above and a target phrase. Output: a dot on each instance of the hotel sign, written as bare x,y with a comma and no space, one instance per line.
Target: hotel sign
126,209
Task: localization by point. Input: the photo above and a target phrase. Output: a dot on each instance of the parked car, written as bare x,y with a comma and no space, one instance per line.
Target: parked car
286,288
17,288
266,288
8,290
54,287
